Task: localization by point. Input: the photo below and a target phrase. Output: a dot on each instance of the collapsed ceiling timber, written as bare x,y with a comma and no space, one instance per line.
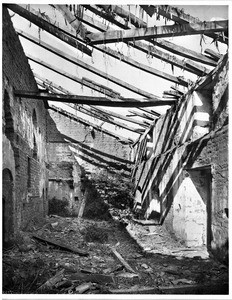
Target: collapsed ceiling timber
144,57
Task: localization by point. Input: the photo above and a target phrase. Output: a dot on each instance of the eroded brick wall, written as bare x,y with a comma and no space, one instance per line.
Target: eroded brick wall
24,132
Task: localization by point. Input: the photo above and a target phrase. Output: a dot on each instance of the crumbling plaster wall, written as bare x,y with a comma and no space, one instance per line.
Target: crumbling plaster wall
191,137
24,132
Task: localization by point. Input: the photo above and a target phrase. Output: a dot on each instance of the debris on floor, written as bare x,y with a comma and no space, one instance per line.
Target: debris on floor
82,256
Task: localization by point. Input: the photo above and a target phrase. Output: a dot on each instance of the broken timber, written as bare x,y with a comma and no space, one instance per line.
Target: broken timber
98,278
60,245
158,32
91,100
52,281
85,66
122,260
52,29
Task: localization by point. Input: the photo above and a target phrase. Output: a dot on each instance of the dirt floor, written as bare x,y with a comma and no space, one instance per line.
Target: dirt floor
82,256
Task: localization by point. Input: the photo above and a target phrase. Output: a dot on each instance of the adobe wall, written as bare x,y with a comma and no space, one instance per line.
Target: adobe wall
181,166
24,133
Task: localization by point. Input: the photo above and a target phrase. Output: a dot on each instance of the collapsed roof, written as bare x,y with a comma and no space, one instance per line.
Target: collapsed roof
143,57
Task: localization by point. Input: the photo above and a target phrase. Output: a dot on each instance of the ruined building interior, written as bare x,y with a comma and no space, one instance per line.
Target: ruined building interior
115,149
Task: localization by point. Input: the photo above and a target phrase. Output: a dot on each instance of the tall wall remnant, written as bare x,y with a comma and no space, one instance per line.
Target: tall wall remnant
23,139
181,165
77,151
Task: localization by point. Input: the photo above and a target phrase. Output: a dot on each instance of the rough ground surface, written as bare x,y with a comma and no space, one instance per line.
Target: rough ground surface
165,268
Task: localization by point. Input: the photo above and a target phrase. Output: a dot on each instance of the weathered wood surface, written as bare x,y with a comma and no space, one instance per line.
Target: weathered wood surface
50,283
158,32
122,260
60,245
91,100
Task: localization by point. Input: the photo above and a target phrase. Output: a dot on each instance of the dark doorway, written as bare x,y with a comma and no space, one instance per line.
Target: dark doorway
7,208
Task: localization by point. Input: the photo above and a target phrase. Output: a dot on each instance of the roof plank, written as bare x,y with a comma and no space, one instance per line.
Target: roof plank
50,28
158,32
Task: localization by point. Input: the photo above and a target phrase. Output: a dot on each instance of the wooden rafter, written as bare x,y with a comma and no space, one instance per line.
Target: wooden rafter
116,9
132,62
91,100
178,16
158,32
150,50
52,87
85,66
141,66
109,17
215,56
79,119
111,115
150,111
185,52
50,28
89,110
142,115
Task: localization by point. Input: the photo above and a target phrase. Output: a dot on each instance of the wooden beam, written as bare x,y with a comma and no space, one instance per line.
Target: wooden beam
85,66
129,60
90,100
150,111
215,56
111,18
172,93
84,121
50,28
158,32
83,108
166,57
142,115
115,9
88,110
178,16
185,52
141,66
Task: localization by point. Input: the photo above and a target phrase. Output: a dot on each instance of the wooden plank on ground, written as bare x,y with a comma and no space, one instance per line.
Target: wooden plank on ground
158,32
98,278
60,245
122,260
50,283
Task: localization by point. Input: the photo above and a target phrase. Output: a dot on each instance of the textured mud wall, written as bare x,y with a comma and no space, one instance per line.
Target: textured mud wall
182,179
24,133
